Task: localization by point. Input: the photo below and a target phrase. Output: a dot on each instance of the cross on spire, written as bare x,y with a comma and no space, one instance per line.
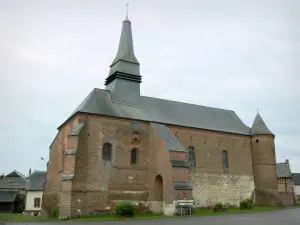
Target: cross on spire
127,11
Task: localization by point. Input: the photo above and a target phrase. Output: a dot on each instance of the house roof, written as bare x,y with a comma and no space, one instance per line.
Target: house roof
164,111
36,181
8,195
14,180
283,170
296,178
259,126
16,174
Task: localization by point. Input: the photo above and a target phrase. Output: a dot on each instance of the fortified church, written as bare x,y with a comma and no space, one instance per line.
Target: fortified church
118,145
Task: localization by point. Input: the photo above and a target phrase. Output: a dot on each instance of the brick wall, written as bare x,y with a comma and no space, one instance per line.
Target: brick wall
287,198
98,183
264,159
117,179
212,183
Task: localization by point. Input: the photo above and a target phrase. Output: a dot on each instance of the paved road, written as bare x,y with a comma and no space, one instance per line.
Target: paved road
280,217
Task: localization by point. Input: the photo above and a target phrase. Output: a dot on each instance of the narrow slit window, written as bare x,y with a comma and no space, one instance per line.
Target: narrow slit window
192,158
107,151
225,159
133,158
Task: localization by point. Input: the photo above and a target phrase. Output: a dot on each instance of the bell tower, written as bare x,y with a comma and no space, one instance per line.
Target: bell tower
124,77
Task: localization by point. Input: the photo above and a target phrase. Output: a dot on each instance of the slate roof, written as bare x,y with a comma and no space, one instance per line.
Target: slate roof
14,180
283,170
167,136
36,181
259,126
8,196
16,174
296,178
164,111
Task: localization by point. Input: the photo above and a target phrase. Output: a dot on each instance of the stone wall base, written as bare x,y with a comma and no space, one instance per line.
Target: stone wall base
267,198
169,209
287,198
156,206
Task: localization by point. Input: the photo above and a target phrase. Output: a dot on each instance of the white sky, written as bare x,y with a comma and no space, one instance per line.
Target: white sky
239,55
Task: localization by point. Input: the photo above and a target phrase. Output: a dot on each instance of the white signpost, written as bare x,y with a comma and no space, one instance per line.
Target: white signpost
185,203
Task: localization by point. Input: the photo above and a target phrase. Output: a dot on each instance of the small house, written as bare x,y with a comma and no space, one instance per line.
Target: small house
34,193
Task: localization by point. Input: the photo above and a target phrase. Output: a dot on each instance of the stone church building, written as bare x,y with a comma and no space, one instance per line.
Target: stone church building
119,145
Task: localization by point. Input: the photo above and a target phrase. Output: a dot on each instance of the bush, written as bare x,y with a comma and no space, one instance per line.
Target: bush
246,204
19,204
55,212
219,207
125,209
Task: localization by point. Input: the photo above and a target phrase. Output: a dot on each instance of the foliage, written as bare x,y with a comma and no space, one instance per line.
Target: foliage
125,209
246,204
55,212
219,207
19,204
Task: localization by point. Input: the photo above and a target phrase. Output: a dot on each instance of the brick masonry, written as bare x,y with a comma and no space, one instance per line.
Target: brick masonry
98,184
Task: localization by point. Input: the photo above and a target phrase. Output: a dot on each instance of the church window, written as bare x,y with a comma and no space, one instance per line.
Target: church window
192,158
225,159
107,151
133,158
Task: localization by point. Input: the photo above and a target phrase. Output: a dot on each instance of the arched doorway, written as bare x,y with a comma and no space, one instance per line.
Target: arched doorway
158,189
158,195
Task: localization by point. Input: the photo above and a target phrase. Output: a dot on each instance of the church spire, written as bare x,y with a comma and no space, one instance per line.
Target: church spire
125,65
124,77
125,50
259,126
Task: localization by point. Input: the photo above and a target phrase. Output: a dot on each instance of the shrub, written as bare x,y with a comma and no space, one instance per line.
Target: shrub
55,212
125,209
219,207
246,204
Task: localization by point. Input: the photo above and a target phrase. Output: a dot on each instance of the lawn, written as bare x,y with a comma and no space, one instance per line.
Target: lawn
203,212
19,217
112,217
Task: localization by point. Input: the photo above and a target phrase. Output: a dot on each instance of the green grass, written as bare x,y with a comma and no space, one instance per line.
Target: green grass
203,212
112,217
19,217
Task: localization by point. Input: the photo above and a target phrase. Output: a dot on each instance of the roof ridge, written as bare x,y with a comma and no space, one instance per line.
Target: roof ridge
144,96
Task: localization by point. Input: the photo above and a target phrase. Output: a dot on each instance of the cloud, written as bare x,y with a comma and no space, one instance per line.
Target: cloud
227,54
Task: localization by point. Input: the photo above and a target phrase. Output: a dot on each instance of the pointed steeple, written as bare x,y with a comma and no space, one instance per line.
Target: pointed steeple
124,77
125,61
259,126
125,50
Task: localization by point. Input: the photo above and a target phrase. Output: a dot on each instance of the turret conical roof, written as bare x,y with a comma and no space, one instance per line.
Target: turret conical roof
259,126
